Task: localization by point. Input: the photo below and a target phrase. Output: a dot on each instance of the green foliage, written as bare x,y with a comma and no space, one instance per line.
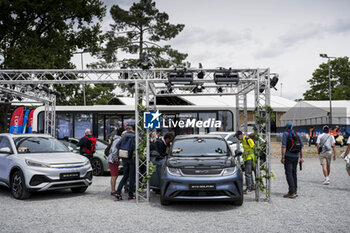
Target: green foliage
142,28
340,81
142,151
261,120
45,34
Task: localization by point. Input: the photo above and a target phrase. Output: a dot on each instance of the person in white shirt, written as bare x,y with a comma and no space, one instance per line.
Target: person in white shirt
325,143
347,154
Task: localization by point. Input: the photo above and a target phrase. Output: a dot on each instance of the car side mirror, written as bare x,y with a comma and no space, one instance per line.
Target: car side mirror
5,150
230,142
70,149
238,153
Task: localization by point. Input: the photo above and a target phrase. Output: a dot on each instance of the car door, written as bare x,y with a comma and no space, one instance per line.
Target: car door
4,158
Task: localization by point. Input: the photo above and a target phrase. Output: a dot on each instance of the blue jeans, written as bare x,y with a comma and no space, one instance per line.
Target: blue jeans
290,167
128,173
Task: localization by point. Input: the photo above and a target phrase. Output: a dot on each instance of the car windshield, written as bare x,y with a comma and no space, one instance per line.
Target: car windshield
199,147
39,145
100,145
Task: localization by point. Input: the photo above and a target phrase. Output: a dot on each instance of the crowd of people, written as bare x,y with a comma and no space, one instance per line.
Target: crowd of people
122,148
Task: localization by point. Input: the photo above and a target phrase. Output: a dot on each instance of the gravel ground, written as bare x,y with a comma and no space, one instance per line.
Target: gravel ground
318,208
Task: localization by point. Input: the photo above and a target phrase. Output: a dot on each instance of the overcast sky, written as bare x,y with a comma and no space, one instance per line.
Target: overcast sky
286,36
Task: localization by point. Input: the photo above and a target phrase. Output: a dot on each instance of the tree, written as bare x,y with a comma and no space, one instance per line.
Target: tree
44,34
340,81
142,29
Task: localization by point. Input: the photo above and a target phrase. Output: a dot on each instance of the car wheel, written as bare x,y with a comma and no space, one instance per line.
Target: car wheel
79,190
163,201
18,186
238,202
97,167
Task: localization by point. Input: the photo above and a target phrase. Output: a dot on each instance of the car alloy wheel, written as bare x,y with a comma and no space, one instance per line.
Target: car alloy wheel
97,167
18,186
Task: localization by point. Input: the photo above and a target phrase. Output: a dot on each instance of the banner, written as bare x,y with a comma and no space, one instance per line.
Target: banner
17,120
25,121
30,121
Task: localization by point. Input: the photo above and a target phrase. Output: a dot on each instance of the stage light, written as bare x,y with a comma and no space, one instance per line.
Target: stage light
199,88
226,77
180,77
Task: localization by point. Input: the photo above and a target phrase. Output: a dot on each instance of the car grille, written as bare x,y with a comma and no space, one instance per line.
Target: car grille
201,172
67,185
209,193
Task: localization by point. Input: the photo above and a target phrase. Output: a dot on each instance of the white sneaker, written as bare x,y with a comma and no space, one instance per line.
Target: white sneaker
326,182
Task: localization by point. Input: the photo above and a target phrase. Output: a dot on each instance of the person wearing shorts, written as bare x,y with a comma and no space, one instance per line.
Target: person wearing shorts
113,162
347,166
325,143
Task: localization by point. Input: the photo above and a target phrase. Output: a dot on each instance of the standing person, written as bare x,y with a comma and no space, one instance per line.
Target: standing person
292,149
325,143
113,161
347,166
127,143
87,145
162,144
249,160
311,135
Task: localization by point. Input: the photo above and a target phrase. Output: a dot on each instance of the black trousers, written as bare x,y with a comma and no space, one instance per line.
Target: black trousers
290,167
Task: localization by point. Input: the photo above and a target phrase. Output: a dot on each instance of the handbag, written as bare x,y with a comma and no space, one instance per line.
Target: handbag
321,146
124,154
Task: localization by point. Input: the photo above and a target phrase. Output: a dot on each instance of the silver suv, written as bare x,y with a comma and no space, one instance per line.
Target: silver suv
38,162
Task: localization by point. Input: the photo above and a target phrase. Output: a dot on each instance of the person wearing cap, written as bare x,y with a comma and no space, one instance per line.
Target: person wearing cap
249,160
290,160
325,143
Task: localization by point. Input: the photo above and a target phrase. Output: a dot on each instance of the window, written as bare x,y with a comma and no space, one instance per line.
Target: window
82,121
232,138
64,124
39,145
5,142
199,147
226,117
205,116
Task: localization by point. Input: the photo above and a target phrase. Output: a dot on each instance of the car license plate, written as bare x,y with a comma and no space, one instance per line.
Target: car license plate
202,186
69,176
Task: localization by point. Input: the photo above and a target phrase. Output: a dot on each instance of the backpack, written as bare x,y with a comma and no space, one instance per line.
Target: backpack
293,143
93,145
108,148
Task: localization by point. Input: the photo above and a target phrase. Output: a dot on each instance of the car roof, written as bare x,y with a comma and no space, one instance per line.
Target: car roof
27,135
189,136
218,132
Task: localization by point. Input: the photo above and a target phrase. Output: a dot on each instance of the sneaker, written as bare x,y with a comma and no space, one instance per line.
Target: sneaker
118,197
296,194
113,193
290,195
326,182
130,197
247,191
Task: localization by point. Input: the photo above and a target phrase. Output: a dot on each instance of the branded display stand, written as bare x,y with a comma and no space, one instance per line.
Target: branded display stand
148,85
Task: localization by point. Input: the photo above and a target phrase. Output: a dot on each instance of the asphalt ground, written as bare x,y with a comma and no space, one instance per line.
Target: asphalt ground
319,208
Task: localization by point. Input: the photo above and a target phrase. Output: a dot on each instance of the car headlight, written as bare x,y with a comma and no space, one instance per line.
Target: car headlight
87,162
229,171
174,171
35,164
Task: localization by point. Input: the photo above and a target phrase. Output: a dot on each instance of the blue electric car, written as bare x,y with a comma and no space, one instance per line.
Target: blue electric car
199,167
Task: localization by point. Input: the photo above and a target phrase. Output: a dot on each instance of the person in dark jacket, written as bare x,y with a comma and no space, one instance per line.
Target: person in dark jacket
87,145
127,142
162,144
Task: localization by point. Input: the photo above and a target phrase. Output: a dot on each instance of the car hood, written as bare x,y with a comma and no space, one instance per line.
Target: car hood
200,162
57,158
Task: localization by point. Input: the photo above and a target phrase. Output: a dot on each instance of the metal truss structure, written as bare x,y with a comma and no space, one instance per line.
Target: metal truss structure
149,84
